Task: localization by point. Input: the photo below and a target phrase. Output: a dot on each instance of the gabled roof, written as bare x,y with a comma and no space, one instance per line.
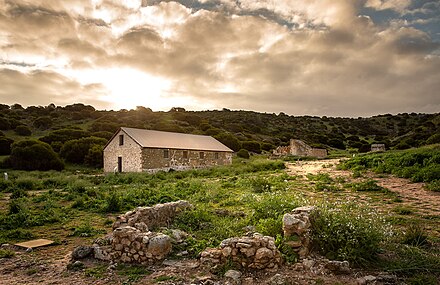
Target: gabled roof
159,139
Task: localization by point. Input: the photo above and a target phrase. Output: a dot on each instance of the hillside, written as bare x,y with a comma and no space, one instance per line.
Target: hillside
253,131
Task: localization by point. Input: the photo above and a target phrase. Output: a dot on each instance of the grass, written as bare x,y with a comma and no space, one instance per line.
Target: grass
228,201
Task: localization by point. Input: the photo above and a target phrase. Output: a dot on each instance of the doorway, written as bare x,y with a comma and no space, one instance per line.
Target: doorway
119,164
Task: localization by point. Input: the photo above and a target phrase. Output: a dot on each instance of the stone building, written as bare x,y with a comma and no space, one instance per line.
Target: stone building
300,148
137,150
378,147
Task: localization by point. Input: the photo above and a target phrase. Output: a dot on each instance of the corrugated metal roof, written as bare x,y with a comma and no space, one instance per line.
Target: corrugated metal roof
159,139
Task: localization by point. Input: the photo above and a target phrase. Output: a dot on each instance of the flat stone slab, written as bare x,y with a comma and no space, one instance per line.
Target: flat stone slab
34,243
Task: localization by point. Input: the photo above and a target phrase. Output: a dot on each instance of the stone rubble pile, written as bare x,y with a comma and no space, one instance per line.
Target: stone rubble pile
297,227
253,252
133,242
157,216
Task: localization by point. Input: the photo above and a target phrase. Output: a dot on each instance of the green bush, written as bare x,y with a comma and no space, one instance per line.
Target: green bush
252,146
6,253
5,145
34,155
243,153
113,202
23,130
80,150
367,186
415,235
64,135
434,186
348,233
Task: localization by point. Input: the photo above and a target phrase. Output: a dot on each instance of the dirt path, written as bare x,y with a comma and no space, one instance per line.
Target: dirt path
413,195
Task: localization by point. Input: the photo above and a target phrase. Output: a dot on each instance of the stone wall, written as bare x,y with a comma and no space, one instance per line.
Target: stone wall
157,216
253,252
131,245
153,158
318,152
281,150
130,152
297,227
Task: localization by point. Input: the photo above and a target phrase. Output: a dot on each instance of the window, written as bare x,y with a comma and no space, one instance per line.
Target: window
185,154
166,153
216,155
121,139
202,155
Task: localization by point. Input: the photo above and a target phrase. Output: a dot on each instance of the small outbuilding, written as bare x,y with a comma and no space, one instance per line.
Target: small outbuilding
377,147
137,150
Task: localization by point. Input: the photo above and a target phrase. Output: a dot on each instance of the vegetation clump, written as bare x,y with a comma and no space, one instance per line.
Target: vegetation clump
34,155
419,165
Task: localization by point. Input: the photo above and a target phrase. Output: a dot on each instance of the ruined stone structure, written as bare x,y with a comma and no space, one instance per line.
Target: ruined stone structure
131,245
133,242
297,228
300,148
159,215
377,147
252,252
137,150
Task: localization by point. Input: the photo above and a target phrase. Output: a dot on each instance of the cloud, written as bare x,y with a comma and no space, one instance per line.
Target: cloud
300,57
43,87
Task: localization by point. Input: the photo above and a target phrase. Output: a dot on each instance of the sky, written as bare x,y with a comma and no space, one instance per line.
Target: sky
345,58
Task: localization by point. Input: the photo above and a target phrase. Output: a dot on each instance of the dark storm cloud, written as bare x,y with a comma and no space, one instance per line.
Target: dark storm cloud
318,57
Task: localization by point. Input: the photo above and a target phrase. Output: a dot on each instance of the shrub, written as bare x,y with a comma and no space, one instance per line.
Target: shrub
23,130
347,233
252,146
415,235
434,186
5,145
113,202
6,253
43,123
86,230
64,135
368,185
229,140
94,156
243,153
76,151
34,155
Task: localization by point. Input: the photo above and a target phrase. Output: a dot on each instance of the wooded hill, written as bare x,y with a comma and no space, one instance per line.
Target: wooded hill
59,126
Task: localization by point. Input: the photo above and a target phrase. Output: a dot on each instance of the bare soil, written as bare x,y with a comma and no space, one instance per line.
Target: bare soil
48,265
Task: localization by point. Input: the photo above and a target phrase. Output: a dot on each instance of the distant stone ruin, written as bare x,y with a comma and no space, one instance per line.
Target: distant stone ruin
377,147
300,148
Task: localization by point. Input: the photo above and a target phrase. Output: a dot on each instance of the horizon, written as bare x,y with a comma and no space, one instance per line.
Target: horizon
223,109
316,58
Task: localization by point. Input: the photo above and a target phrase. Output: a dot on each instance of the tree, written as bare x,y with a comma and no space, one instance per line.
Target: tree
43,123
4,124
252,146
229,140
64,135
94,157
243,153
5,145
34,155
23,130
75,151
